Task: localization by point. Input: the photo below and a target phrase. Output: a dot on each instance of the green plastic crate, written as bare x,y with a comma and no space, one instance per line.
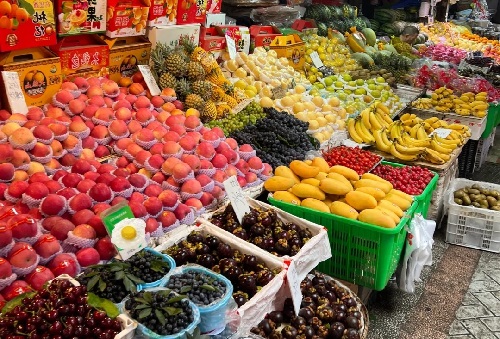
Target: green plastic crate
424,199
492,120
362,254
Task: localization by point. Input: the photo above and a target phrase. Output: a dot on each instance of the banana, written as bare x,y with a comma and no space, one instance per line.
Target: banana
386,117
375,124
385,137
383,107
446,141
395,131
432,120
379,141
421,134
408,150
365,118
364,133
405,116
416,143
433,157
451,147
437,147
352,131
413,131
404,157
457,127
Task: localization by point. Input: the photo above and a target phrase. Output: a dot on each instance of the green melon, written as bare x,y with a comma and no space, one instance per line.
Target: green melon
371,38
364,59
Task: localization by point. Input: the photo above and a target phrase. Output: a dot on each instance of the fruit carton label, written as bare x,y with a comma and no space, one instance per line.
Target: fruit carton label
218,19
240,35
84,55
212,42
290,47
191,11
81,17
26,24
127,18
172,35
262,36
39,73
125,54
213,6
163,12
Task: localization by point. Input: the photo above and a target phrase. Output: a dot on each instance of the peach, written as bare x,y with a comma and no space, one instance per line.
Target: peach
63,119
159,132
64,96
156,148
100,192
78,126
101,151
219,161
53,186
230,141
84,231
187,143
182,211
81,167
94,175
134,126
168,198
37,190
85,185
16,189
181,170
153,205
58,129
205,149
41,150
100,207
241,181
3,188
97,225
167,219
81,83
53,204
118,128
22,136
5,235
255,163
143,114
132,168
95,91
71,179
138,209
6,153
231,170
30,124
67,192
155,161
80,202
122,103
59,174
35,167
217,192
203,179
175,120
4,114
206,199
194,203
121,172
251,177
171,148
88,142
9,128
105,178
54,112
169,164
133,149
108,102
268,170
90,110
88,256
68,159
76,106
110,87
137,197
191,186
206,164
5,269
192,122
117,200
142,103
50,222
169,92
137,180
105,248
20,158
123,143
153,125
119,184
145,135
218,131
105,168
195,135
210,136
151,225
219,176
20,175
131,98
192,160
57,148
99,132
157,101
47,245
158,177
82,216
242,166
105,114
69,86
180,130
153,190
64,263
39,277
136,89
22,255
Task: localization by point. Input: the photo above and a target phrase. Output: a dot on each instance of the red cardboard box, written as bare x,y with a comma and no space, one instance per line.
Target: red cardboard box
127,18
163,12
240,35
300,25
80,17
30,24
262,36
211,41
84,55
214,6
191,11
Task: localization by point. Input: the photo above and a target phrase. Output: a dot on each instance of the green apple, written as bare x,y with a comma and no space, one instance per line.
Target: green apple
319,85
360,91
380,87
360,82
352,83
347,91
347,77
375,93
372,87
328,81
380,80
339,84
330,89
342,96
371,82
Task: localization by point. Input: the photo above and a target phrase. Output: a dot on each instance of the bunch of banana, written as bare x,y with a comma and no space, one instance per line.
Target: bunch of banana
373,118
423,103
443,99
472,104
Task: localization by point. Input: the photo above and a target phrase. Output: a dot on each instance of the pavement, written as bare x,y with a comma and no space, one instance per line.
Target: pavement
459,296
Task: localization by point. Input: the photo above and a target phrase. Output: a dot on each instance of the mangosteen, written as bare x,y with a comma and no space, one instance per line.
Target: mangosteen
266,221
232,273
282,235
289,332
241,233
321,289
258,241
282,246
350,302
224,250
292,227
356,314
180,257
330,296
249,219
276,335
294,241
351,333
306,313
190,252
250,262
212,242
305,233
225,263
195,237
206,260
264,277
240,298
277,317
336,330
277,231
247,283
323,301
202,248
238,256
216,269
305,284
257,229
318,280
322,332
340,292
339,307
308,302
315,323
217,222
267,326
268,243
340,316
298,321
308,332
352,322
258,331
325,313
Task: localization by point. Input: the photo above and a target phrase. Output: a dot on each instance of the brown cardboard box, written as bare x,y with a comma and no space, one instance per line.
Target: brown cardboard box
125,54
291,47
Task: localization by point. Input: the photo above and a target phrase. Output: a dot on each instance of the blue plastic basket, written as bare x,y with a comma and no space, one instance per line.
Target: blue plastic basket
213,317
161,282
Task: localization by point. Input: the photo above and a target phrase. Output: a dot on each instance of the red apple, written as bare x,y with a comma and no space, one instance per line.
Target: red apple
39,277
105,248
88,256
64,263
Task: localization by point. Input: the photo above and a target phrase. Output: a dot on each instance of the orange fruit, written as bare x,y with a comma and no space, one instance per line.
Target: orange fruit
13,9
39,77
5,8
22,15
5,22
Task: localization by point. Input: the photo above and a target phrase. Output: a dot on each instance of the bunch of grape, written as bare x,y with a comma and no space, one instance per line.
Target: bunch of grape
278,138
235,122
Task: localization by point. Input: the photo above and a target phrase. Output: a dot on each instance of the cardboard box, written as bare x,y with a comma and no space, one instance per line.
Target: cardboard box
290,47
80,17
301,25
171,35
214,6
262,36
218,19
163,12
211,41
84,55
39,74
191,11
127,18
240,35
125,54
32,25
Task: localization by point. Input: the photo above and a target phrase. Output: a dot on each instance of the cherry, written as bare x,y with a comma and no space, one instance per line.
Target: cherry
51,315
106,323
90,322
63,309
56,327
99,315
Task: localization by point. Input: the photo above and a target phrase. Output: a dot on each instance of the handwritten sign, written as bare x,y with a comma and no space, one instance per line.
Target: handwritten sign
14,93
231,47
293,281
236,197
441,132
149,79
316,60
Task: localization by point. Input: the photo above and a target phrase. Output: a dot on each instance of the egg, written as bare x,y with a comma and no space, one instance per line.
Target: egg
129,234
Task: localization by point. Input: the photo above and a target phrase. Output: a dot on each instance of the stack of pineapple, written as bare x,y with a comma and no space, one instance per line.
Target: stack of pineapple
196,78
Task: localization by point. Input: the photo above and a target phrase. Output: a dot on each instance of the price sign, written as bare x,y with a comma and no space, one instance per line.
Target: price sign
441,132
292,84
149,79
293,281
231,47
236,197
316,60
278,92
14,93
430,20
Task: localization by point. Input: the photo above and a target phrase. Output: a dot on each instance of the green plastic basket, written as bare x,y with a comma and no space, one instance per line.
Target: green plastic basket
363,254
492,120
424,199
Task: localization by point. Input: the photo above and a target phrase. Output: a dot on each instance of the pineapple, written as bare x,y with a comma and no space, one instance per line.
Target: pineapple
223,110
202,88
229,100
217,93
167,80
195,71
175,64
183,88
206,59
194,101
217,77
209,111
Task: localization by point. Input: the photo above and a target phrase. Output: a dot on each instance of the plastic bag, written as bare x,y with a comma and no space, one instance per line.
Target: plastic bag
279,16
418,252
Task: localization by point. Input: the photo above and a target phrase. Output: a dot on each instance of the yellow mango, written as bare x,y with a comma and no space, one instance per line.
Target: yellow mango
402,195
303,170
371,176
321,175
286,197
332,186
386,188
315,204
377,193
321,164
308,191
360,200
311,181
391,207
308,162
341,178
284,171
376,217
398,201
390,213
350,174
277,183
343,209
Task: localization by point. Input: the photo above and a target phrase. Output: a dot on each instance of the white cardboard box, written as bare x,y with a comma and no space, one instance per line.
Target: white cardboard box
172,34
216,19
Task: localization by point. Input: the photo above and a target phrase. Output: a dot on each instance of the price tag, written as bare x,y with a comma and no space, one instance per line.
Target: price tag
441,132
114,215
278,92
316,60
430,20
14,93
149,79
293,281
236,197
292,84
231,47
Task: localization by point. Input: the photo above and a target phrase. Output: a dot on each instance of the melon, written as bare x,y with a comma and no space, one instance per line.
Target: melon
371,38
364,59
